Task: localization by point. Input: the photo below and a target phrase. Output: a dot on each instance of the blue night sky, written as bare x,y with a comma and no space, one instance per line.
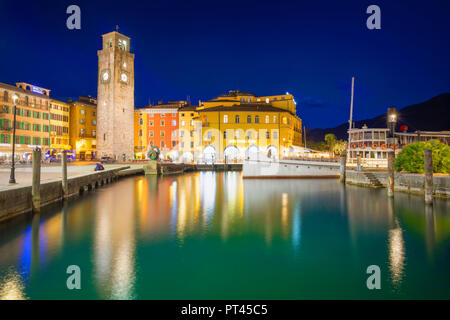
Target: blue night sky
202,49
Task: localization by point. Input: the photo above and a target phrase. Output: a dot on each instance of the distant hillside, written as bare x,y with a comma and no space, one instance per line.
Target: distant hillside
431,115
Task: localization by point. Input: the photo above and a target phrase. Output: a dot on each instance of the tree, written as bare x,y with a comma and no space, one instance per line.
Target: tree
411,158
330,140
339,147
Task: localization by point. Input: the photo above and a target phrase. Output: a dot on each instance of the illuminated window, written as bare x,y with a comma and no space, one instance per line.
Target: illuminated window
267,119
225,118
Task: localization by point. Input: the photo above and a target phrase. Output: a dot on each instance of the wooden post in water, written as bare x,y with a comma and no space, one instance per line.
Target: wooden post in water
342,168
428,162
391,174
36,181
64,175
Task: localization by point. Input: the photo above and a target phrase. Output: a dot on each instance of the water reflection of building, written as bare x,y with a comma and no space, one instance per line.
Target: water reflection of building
114,241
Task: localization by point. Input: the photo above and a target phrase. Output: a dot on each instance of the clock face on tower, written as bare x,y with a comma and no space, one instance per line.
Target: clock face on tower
105,76
124,77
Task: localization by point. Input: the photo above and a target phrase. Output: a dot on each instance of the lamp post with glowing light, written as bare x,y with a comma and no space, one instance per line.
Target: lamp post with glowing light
391,121
12,178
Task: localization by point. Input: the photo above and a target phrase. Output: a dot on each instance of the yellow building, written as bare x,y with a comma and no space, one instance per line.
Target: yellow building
83,127
190,137
239,125
32,120
59,127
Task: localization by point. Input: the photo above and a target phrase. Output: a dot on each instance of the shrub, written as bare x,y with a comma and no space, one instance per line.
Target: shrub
411,158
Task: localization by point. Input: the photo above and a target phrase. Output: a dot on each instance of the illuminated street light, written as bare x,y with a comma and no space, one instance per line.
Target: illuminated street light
12,178
391,120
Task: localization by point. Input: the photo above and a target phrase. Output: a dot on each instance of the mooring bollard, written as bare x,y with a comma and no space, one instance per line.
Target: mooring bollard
36,181
342,168
428,163
391,174
64,174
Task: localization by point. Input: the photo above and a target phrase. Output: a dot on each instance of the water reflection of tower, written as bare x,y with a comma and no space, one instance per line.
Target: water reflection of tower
114,241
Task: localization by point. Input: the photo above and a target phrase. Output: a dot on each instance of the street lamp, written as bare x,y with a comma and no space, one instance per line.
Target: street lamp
391,121
12,178
392,118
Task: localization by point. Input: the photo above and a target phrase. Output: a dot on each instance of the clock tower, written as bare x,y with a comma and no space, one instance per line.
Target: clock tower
115,98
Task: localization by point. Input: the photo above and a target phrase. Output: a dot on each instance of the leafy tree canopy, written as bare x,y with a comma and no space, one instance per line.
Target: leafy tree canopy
411,158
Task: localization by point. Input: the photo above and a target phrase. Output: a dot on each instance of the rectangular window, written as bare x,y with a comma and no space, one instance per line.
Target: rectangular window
182,144
225,118
267,135
82,121
192,144
275,135
256,119
163,123
249,119
150,133
236,119
82,111
94,122
162,133
151,123
182,133
182,123
174,123
224,134
267,119
174,143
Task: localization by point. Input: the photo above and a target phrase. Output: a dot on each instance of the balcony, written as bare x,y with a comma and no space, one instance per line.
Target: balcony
85,135
8,129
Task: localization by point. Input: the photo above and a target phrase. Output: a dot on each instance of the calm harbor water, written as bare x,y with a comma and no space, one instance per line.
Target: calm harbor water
216,236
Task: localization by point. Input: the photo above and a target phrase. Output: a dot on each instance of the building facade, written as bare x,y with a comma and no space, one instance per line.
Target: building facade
83,127
32,120
115,97
240,125
59,128
189,134
157,125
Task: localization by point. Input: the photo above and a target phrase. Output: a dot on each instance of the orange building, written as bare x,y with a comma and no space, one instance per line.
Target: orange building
157,125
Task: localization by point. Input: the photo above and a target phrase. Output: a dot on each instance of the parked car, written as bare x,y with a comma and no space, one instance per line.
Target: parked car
106,159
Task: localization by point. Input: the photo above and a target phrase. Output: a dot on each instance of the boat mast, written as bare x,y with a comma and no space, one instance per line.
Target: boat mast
350,122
